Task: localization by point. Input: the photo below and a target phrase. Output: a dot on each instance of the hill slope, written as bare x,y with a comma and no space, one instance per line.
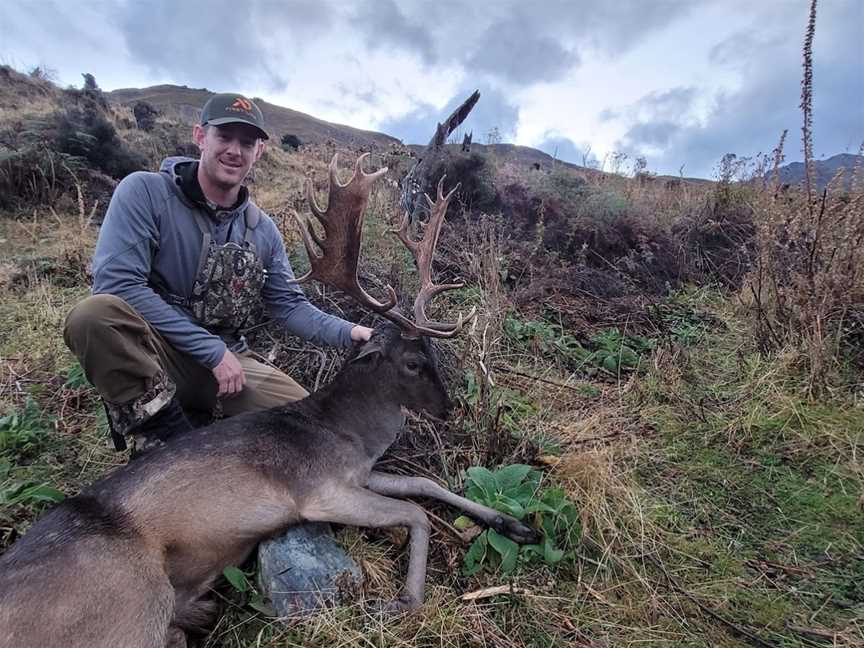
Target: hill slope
826,169
187,102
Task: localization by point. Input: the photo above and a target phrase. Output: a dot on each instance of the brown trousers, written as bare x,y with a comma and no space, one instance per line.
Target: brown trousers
122,354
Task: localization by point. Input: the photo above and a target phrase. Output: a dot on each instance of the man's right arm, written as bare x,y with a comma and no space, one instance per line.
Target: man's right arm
121,266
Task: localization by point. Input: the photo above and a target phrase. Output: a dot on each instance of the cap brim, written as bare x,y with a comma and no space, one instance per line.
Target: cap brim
221,121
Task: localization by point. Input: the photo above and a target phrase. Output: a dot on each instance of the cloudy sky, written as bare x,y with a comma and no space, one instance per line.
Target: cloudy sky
680,82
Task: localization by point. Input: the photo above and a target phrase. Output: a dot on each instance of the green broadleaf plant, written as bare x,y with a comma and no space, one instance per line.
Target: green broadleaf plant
516,490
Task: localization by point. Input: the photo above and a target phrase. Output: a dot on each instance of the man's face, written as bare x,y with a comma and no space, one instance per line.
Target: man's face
227,152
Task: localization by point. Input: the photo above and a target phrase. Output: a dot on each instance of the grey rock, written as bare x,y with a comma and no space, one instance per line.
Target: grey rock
305,569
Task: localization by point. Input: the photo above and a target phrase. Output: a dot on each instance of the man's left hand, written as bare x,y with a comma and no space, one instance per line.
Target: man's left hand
361,333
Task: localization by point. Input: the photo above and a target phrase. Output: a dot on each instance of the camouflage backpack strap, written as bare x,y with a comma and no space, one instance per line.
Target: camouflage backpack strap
206,239
253,217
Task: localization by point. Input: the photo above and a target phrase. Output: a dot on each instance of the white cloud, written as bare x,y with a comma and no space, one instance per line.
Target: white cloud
680,81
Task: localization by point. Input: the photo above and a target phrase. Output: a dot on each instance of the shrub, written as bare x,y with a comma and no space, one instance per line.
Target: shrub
91,90
595,229
476,177
718,243
290,142
35,174
42,159
82,130
807,283
145,115
23,430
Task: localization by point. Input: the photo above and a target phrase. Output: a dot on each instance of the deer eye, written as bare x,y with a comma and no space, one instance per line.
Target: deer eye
412,365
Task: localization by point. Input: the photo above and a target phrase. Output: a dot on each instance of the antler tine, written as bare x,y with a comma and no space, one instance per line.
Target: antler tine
333,258
423,251
336,263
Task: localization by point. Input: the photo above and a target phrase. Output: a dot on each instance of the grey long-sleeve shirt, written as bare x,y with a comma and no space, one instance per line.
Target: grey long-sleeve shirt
150,231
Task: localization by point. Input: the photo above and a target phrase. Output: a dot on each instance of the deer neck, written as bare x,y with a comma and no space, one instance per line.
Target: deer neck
362,408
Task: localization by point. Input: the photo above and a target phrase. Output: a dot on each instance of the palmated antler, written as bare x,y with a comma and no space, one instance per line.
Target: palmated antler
336,263
423,252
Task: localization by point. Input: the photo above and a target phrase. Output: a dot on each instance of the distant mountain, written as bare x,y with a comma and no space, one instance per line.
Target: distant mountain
187,102
795,172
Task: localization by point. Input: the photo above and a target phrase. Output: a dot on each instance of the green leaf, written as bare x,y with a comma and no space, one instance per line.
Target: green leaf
549,526
509,505
610,363
476,494
511,476
463,522
526,493
629,357
27,493
570,513
41,493
473,560
538,506
508,550
556,499
75,377
550,554
263,605
237,578
532,550
484,480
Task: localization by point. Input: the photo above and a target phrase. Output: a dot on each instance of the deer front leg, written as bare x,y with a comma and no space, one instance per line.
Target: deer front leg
363,508
400,486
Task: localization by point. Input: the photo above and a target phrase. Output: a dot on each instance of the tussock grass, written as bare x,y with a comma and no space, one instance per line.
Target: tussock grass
757,484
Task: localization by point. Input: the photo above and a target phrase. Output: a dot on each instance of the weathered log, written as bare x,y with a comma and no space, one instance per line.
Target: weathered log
419,179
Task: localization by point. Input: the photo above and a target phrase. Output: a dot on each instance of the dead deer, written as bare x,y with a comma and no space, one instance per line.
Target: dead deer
130,560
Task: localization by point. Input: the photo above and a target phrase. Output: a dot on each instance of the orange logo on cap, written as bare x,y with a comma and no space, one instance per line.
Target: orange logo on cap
242,104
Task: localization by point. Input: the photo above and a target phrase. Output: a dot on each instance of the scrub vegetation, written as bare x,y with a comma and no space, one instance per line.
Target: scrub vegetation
665,377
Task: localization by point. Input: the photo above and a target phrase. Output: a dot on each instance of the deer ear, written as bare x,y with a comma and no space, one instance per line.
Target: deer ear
368,349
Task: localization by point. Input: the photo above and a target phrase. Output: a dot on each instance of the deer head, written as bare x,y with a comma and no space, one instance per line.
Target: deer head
401,358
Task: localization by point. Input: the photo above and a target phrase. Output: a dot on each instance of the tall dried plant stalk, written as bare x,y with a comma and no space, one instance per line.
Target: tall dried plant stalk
807,103
808,281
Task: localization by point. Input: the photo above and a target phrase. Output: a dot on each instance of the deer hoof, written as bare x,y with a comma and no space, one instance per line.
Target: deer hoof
390,609
512,528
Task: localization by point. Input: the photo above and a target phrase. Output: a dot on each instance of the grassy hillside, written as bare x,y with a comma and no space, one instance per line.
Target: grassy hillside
185,103
680,364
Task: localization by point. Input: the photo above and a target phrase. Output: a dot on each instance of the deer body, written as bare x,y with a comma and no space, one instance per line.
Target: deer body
129,561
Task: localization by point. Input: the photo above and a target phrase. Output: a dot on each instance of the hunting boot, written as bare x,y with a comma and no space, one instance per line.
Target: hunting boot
150,419
154,432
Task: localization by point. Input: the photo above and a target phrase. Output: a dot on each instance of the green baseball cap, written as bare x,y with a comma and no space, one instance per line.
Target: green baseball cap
229,108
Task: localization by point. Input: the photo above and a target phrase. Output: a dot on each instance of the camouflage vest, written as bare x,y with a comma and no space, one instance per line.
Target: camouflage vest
227,289
226,293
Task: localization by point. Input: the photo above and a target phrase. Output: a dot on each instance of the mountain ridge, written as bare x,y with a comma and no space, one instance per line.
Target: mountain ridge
795,172
186,103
